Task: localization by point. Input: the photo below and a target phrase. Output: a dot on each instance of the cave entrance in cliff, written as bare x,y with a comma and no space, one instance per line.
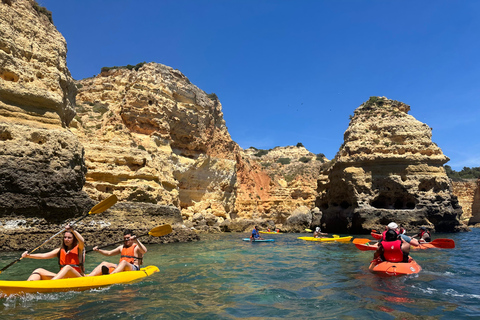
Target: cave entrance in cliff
397,202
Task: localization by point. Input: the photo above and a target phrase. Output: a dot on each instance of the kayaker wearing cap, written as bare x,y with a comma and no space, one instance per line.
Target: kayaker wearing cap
255,234
131,258
318,233
393,248
71,256
393,226
424,235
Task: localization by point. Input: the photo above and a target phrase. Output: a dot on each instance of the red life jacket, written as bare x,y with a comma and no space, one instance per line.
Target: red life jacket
384,233
428,239
128,254
392,251
72,258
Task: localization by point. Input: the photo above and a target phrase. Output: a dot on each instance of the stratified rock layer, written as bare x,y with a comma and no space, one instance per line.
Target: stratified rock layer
42,169
468,193
151,136
388,169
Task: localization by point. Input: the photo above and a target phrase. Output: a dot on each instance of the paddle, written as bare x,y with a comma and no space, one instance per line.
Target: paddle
155,232
442,243
100,207
364,247
361,240
308,230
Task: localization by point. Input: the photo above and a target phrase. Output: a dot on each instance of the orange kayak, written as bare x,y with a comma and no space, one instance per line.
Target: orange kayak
375,235
394,268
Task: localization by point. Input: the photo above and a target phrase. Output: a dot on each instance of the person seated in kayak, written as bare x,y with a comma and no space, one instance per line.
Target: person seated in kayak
131,258
423,236
393,226
318,233
71,257
393,248
255,234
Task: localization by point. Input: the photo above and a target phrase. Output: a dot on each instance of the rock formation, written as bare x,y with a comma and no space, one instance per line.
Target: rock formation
42,165
468,193
388,169
283,182
151,136
42,170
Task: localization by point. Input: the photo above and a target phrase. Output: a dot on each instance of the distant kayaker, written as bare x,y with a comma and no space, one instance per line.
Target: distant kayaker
255,234
318,233
423,235
131,258
71,256
393,248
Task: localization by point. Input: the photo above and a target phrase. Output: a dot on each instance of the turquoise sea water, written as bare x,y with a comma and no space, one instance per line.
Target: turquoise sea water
223,277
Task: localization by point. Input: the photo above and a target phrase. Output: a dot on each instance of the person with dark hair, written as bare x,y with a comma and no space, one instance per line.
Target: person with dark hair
423,235
255,234
71,257
131,258
393,248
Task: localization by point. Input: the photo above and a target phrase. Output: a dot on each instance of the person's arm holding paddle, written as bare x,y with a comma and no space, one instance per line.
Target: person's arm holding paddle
141,248
109,253
46,255
80,240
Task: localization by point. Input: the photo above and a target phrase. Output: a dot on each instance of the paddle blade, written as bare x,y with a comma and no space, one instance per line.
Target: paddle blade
364,247
104,205
161,230
443,243
308,230
361,241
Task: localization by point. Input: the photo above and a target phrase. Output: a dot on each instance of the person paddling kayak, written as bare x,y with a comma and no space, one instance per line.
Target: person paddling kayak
131,258
423,235
318,233
393,248
255,234
71,257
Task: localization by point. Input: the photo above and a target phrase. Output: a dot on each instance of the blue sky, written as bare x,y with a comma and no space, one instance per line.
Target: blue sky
294,71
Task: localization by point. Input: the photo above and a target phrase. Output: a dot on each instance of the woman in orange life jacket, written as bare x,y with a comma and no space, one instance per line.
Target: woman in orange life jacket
393,249
71,256
131,258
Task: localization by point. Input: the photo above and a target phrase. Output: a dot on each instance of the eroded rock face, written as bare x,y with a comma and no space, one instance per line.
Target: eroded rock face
388,169
468,194
274,183
35,84
151,136
42,169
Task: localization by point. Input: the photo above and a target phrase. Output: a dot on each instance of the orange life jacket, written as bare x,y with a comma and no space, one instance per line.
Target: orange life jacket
128,254
392,251
72,258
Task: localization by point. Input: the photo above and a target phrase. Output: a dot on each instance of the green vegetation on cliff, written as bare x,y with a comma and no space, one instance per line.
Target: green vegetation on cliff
465,173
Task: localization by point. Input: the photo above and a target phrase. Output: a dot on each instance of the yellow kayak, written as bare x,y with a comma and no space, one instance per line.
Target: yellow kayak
73,284
335,238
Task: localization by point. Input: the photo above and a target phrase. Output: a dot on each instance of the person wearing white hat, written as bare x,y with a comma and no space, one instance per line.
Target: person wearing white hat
393,226
318,233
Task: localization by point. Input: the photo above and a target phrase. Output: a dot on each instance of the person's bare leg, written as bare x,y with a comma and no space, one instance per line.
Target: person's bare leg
98,269
40,274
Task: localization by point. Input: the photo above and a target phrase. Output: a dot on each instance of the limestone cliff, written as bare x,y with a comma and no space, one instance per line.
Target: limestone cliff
151,136
468,194
283,180
42,170
388,169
